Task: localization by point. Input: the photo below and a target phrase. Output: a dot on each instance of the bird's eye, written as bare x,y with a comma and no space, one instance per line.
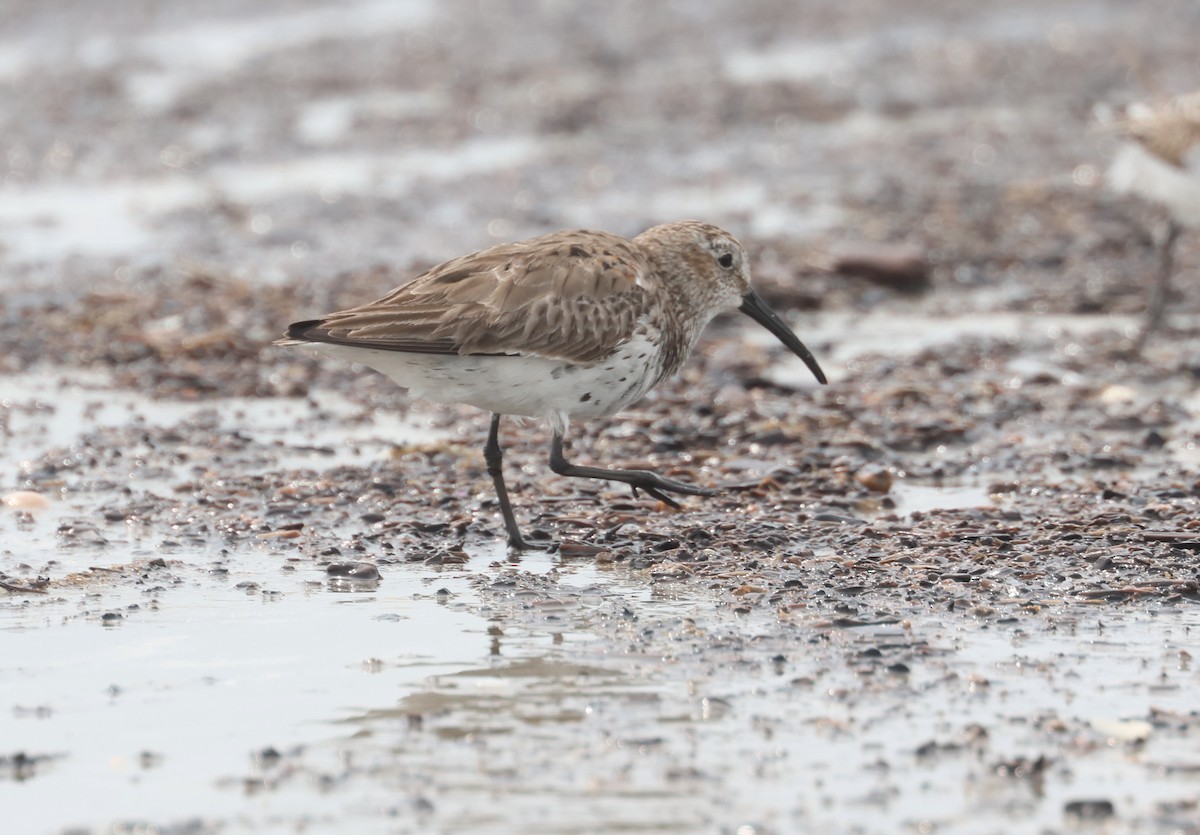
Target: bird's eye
726,260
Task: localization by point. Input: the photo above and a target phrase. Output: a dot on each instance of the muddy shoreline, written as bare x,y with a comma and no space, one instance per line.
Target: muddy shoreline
246,591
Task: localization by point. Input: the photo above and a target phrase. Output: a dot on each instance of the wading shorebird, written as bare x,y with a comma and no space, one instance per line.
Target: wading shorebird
1162,165
568,325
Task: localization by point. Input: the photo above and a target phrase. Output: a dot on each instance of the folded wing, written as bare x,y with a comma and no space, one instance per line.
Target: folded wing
571,295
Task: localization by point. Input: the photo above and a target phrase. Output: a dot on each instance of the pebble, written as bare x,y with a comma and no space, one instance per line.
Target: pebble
1128,730
25,500
1115,394
875,478
353,570
1090,810
899,265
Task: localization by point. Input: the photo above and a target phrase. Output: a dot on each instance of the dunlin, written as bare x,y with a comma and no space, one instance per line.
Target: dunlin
568,325
1161,163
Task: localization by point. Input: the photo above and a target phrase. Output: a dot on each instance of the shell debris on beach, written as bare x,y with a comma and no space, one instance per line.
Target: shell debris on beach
244,588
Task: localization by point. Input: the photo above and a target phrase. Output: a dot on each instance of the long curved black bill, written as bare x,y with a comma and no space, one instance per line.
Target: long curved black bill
754,307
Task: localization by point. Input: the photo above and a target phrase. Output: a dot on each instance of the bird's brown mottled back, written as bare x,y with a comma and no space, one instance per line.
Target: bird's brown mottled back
1169,131
569,295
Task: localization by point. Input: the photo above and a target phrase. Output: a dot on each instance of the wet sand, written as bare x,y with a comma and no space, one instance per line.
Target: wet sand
246,591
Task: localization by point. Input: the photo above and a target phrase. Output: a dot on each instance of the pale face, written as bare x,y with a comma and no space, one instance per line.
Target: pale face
729,272
730,266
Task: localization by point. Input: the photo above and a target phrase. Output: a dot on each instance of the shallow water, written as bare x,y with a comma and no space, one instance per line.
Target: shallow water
170,695
165,715
913,498
184,679
107,219
46,411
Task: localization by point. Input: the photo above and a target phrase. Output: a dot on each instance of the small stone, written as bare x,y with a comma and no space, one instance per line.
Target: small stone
353,570
901,266
291,533
875,478
1090,810
1124,730
25,500
742,591
1115,394
268,756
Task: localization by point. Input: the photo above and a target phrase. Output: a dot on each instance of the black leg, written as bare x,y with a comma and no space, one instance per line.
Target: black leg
1158,294
652,483
493,455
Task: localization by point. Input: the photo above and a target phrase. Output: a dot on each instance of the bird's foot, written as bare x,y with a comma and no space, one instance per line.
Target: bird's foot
655,485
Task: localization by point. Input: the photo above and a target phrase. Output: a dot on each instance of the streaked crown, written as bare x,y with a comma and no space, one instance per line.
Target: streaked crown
702,262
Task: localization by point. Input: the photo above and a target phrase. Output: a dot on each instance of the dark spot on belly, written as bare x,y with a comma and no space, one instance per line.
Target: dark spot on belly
555,373
586,397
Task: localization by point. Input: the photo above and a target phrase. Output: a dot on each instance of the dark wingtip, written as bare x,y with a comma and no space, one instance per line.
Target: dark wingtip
301,330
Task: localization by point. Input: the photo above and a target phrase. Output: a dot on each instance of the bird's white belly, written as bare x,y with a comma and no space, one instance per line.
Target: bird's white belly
513,385
1138,171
